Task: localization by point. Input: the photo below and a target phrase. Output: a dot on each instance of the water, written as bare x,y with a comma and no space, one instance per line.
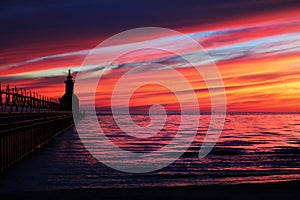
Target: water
252,148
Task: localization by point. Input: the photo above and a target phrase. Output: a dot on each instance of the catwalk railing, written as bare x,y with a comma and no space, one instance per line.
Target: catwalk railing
22,133
27,122
13,99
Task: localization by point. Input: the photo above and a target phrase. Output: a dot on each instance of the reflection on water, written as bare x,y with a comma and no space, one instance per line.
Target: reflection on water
251,148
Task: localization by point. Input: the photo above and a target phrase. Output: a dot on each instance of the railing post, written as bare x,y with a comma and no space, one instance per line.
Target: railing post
19,100
1,103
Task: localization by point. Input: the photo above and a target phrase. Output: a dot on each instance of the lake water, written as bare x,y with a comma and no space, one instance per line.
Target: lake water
257,147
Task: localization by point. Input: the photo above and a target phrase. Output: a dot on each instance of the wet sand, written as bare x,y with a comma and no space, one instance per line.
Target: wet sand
279,190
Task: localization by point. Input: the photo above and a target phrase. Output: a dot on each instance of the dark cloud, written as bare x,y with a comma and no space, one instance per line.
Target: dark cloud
23,22
29,83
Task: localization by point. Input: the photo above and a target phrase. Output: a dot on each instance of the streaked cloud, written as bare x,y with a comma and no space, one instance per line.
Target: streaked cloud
257,55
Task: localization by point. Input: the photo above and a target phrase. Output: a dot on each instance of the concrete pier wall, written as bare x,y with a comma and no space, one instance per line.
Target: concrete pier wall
22,133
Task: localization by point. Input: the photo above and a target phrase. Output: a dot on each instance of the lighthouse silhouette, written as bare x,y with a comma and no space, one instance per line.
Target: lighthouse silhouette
69,96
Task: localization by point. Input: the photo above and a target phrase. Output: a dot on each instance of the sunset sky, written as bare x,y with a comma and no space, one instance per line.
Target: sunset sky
255,45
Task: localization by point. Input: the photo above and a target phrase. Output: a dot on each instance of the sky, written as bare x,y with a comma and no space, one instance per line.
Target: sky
254,44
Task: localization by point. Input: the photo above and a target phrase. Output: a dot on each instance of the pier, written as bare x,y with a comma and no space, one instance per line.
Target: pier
29,120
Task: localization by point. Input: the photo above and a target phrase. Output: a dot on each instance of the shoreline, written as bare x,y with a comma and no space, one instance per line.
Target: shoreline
274,190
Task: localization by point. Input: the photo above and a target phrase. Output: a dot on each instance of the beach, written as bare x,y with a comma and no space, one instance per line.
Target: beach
278,190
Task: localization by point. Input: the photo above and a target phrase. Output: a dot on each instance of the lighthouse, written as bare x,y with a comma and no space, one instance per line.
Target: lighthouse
69,96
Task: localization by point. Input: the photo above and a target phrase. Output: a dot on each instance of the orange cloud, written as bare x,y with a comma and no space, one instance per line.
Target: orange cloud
262,77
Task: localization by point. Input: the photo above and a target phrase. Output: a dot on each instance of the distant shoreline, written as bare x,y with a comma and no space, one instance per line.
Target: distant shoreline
276,190
204,113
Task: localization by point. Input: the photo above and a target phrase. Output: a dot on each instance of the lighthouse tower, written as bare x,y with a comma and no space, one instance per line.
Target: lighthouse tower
69,96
